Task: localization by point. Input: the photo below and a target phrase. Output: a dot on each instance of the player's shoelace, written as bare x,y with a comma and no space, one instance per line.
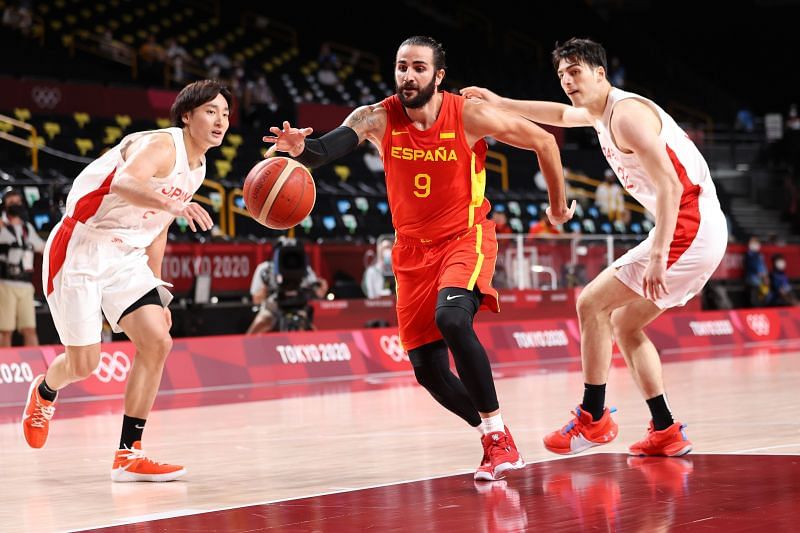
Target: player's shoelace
573,426
134,454
42,414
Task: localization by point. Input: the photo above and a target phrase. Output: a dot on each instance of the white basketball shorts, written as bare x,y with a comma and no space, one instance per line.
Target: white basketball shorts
86,272
696,250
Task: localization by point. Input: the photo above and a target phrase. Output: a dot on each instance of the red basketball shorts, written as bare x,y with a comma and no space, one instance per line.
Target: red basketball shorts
423,269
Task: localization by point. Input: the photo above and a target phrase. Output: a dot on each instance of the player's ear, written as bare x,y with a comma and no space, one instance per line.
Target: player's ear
601,73
439,77
185,118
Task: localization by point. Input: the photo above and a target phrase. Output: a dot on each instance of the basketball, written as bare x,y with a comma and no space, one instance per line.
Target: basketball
279,192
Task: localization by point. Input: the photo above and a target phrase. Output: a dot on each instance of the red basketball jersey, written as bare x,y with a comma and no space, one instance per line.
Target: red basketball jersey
434,180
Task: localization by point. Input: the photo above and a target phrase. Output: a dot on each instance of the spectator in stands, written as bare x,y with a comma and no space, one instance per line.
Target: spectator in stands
151,59
18,16
260,103
264,290
501,223
218,63
177,58
329,64
662,169
543,226
616,73
745,121
374,283
610,197
793,119
780,289
445,253
756,277
18,243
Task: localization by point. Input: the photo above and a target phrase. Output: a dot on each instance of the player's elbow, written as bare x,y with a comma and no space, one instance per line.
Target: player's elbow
121,185
546,146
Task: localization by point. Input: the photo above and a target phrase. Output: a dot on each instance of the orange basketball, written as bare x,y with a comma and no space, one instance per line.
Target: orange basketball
279,192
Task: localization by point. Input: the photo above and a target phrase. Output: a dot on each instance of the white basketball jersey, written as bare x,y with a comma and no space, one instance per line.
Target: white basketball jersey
91,201
687,160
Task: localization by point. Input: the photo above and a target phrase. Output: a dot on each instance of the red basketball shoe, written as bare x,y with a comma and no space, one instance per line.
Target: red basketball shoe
582,433
671,442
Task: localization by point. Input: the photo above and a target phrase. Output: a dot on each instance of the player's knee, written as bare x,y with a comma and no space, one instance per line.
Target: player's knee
428,362
587,306
82,363
452,320
155,348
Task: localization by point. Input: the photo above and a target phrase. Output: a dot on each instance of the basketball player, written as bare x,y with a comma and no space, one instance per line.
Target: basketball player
105,256
658,165
433,149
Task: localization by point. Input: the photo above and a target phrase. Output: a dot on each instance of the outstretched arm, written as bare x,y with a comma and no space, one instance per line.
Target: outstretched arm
482,119
551,113
366,122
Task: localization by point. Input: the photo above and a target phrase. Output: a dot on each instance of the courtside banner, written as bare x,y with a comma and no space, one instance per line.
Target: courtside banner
199,364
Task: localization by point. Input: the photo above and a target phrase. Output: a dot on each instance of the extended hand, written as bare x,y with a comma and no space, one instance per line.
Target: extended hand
289,139
481,94
562,215
193,213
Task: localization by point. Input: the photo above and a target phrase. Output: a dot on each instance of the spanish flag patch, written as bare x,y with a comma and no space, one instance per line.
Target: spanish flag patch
447,135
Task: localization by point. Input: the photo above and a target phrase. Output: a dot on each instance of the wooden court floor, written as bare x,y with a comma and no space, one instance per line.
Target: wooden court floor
283,459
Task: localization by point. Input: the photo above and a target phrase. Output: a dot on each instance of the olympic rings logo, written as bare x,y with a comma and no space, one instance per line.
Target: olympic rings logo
759,323
46,97
114,367
391,346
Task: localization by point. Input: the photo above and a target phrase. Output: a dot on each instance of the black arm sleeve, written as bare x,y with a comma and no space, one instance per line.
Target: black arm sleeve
329,147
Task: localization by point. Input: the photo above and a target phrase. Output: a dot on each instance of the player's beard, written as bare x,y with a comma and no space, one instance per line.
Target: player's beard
424,95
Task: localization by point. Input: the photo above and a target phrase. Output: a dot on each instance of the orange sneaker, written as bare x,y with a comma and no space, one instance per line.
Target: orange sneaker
36,416
485,471
582,433
671,442
132,465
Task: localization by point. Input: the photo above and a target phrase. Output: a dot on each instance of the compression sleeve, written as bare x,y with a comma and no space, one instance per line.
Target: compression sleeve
329,147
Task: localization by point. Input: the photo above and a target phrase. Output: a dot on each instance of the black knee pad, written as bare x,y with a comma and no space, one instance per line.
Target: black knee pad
455,308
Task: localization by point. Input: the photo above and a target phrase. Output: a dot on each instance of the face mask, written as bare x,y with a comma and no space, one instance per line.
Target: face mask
17,210
754,247
780,264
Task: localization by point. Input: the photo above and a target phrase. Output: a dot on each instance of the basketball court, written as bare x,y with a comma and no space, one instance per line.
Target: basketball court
376,453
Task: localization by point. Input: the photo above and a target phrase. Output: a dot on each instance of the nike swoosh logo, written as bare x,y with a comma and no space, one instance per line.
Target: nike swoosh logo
395,132
454,296
137,426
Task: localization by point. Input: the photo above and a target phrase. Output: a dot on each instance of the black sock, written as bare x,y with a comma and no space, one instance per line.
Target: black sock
594,400
662,418
132,429
46,392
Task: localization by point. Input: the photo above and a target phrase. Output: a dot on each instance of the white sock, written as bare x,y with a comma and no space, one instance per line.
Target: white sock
493,424
479,427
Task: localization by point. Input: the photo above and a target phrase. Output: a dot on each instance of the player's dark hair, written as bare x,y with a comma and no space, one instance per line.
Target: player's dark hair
579,50
194,95
439,59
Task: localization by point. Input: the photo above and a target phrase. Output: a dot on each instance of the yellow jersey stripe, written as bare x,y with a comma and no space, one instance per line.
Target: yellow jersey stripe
479,264
447,135
478,181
